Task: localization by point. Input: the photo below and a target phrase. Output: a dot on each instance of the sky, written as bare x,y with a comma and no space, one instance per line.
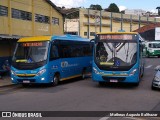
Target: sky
148,5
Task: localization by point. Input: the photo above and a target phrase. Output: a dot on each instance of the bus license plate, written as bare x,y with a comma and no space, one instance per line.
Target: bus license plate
113,80
26,81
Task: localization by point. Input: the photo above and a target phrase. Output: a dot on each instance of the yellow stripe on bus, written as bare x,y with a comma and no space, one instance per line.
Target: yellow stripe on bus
70,77
25,75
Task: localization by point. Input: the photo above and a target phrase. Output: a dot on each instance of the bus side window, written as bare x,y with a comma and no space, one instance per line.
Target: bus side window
150,45
54,52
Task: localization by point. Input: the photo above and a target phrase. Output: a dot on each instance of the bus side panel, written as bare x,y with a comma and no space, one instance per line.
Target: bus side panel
73,67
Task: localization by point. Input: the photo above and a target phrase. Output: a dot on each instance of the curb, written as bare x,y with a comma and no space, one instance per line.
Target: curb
7,85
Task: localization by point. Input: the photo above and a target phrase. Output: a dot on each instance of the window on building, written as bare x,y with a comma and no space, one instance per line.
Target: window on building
92,33
20,14
85,33
3,11
55,21
42,18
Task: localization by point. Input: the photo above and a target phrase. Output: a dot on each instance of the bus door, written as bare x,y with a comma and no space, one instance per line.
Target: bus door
66,60
54,59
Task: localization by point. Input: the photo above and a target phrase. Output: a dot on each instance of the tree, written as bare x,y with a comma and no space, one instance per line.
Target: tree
95,7
113,8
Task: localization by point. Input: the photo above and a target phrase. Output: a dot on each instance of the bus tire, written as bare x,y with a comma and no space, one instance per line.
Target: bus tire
136,84
83,74
25,85
101,83
56,79
142,72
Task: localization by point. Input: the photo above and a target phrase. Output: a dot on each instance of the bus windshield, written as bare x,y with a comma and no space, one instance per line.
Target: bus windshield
30,55
116,54
30,52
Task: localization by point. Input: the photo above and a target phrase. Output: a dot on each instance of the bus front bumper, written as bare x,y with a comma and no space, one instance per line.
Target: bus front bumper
29,80
115,79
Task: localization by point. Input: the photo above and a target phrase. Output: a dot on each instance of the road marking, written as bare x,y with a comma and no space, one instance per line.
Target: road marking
131,118
148,66
104,118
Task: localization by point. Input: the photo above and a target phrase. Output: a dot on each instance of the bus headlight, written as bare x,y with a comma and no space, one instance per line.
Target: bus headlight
41,72
95,71
13,73
133,72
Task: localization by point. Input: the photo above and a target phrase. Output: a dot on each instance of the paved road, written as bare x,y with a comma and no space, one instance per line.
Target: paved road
85,95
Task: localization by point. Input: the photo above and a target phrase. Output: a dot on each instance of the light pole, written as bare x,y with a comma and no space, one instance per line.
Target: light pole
95,14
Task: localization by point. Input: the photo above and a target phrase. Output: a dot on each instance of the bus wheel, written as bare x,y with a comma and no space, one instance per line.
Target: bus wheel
83,74
136,84
102,83
56,79
25,85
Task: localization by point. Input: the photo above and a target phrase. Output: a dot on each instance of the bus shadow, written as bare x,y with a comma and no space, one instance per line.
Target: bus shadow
48,85
73,80
117,85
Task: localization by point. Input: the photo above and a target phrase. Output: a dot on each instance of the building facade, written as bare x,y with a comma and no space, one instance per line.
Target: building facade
135,12
22,18
90,22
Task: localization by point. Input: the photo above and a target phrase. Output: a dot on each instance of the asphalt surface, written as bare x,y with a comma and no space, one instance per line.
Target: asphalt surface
85,95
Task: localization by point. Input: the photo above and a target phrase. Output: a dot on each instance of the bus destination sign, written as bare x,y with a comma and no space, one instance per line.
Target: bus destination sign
32,44
117,37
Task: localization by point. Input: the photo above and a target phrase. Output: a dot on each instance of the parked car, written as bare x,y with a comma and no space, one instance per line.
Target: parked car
156,79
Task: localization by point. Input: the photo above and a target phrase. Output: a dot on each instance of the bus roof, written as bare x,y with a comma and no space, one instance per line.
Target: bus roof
54,37
36,38
70,37
117,33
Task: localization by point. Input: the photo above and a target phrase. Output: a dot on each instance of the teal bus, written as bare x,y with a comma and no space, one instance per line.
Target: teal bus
118,58
50,59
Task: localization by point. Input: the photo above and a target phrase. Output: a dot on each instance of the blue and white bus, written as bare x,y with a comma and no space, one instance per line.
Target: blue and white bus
118,58
50,59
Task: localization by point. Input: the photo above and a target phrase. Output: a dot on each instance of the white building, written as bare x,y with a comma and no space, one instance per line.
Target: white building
71,26
135,11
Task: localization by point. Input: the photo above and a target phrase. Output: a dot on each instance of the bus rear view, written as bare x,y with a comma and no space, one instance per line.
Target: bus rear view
117,58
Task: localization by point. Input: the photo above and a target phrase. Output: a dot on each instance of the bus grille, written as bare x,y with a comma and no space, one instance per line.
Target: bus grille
119,79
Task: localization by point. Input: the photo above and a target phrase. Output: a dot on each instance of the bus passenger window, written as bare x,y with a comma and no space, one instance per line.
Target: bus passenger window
54,52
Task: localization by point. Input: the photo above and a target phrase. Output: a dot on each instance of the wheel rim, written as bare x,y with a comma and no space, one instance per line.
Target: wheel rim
56,80
83,74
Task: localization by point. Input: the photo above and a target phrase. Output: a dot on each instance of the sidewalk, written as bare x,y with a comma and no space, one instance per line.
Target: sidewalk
5,81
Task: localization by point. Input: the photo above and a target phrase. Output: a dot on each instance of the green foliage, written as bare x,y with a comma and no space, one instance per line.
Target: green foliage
113,8
95,7
73,15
